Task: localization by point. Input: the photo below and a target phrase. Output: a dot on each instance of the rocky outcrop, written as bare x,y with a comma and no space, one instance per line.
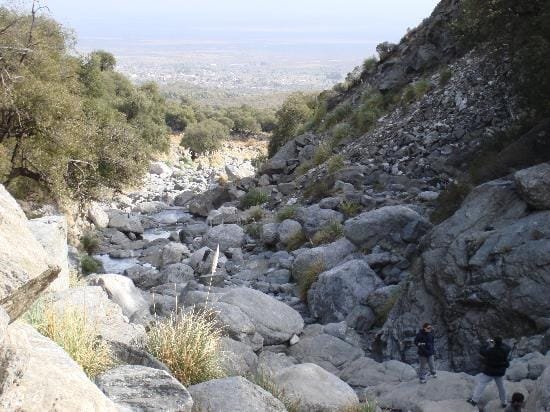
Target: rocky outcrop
234,394
22,257
534,186
139,388
37,375
482,272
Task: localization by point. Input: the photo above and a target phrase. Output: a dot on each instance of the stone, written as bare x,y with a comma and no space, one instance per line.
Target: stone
389,226
269,233
366,372
51,232
140,388
339,290
288,230
149,207
226,236
225,214
326,257
233,394
144,277
238,358
177,273
183,198
326,351
428,196
270,363
97,216
278,277
121,290
238,172
102,314
202,204
22,257
539,398
125,222
263,181
316,389
534,185
314,218
37,375
160,169
172,253
286,188
330,203
382,300
275,321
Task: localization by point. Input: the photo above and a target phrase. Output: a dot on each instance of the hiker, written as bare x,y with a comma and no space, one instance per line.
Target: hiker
517,403
424,341
495,354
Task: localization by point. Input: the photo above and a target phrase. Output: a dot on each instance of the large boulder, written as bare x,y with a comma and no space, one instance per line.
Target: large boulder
160,169
539,399
227,236
391,227
98,216
125,222
122,291
314,218
22,257
37,375
102,314
366,372
288,230
51,232
234,394
534,185
275,321
238,358
339,290
314,388
484,271
140,388
327,351
202,204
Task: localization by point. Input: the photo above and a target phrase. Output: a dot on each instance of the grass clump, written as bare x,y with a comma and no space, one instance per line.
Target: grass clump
445,75
415,91
89,243
342,131
256,214
319,189
322,153
309,277
265,382
368,406
335,163
328,234
449,201
254,197
287,212
254,230
189,344
89,264
70,330
296,241
349,208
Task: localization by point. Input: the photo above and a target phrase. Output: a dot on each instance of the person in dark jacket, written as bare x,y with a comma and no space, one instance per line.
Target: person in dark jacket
424,341
496,357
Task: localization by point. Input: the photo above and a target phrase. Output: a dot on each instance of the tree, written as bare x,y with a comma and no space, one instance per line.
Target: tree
205,136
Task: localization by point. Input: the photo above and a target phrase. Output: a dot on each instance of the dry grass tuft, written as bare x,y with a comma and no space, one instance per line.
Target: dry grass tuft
309,277
264,381
328,233
189,344
70,330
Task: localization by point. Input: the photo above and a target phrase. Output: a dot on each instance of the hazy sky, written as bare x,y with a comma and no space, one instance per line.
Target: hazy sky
316,21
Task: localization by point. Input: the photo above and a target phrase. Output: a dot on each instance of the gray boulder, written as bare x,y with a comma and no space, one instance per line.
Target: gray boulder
125,222
241,171
366,372
269,233
275,321
314,388
183,198
390,227
324,350
234,394
144,277
539,399
534,185
314,218
270,363
288,229
225,214
339,290
202,204
97,216
227,236
238,358
139,388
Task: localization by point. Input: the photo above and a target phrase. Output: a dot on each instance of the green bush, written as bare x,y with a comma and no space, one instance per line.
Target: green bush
322,153
342,131
205,136
349,208
254,197
337,115
89,264
89,243
319,189
287,212
369,65
335,163
328,234
415,91
189,344
309,277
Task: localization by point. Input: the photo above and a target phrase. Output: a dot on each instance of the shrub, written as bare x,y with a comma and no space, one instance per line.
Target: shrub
309,277
287,212
254,230
445,75
319,189
415,91
89,264
296,241
254,197
449,201
70,330
304,167
368,406
338,114
89,243
189,344
370,64
335,163
322,153
205,136
342,131
328,234
255,214
349,208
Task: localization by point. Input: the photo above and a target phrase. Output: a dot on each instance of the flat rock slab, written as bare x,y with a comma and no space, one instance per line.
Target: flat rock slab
139,388
234,394
316,389
275,321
